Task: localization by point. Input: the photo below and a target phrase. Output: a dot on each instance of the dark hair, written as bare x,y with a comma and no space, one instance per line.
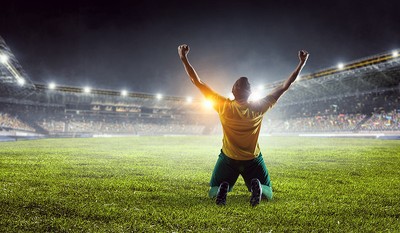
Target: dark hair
241,89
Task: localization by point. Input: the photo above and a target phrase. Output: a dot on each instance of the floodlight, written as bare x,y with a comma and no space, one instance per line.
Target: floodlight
231,96
395,53
189,99
52,86
20,81
3,58
159,96
87,89
340,66
124,92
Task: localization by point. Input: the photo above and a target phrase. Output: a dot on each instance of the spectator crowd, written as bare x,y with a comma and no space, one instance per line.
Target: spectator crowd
10,122
364,113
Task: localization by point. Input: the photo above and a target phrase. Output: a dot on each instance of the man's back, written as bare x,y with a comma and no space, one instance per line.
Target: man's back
241,124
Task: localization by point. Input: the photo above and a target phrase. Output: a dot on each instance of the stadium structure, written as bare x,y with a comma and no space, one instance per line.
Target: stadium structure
357,98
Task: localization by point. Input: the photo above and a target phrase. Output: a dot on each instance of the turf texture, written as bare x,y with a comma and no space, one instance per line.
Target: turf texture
160,184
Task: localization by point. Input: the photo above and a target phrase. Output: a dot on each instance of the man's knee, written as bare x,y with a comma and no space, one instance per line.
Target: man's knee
267,192
213,191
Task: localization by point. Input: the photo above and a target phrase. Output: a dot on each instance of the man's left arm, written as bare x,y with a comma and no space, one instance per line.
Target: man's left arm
279,90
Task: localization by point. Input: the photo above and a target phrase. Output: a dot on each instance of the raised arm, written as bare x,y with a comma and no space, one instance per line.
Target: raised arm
183,51
279,90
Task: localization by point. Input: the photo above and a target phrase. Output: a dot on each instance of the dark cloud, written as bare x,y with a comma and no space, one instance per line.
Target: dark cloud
133,44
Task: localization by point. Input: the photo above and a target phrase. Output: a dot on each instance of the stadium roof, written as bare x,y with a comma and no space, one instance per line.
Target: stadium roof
13,79
77,95
371,74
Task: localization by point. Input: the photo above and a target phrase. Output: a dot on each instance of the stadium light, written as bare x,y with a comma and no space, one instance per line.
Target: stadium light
124,92
3,58
395,53
159,96
20,81
231,96
340,66
52,86
87,89
189,99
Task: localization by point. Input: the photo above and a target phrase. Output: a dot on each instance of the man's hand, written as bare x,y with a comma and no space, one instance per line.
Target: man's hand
303,56
183,50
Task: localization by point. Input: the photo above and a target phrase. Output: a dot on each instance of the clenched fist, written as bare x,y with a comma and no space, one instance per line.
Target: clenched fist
183,50
303,55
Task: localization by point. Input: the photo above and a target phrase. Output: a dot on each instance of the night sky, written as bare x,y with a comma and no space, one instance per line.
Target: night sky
133,45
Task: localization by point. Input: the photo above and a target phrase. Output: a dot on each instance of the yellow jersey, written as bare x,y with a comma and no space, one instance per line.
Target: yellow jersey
241,125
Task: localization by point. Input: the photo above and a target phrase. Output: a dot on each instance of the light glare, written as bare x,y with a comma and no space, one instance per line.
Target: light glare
20,81
3,58
159,96
124,92
340,66
208,104
254,96
395,53
52,86
189,99
87,89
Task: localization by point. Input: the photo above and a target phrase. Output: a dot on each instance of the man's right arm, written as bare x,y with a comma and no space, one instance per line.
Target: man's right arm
183,50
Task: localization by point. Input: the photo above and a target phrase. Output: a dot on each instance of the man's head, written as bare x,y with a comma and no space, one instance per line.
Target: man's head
241,89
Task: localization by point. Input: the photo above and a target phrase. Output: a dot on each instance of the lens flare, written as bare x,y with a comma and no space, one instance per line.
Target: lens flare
208,104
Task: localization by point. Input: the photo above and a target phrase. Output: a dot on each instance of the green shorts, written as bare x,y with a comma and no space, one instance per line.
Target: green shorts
227,169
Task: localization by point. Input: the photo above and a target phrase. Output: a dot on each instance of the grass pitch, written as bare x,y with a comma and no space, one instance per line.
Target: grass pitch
160,184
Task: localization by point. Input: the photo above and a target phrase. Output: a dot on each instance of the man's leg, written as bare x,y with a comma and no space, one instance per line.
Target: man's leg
222,193
256,192
213,191
257,169
223,172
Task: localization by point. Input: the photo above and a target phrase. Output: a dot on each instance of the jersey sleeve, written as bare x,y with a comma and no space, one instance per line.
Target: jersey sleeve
266,103
217,101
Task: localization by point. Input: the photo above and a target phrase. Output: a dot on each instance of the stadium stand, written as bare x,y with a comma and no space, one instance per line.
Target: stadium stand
361,97
8,122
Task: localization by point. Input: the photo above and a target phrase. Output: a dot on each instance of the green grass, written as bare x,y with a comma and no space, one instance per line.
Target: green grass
160,184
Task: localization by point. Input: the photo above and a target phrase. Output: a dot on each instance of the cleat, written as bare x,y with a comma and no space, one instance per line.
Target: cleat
256,191
222,193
